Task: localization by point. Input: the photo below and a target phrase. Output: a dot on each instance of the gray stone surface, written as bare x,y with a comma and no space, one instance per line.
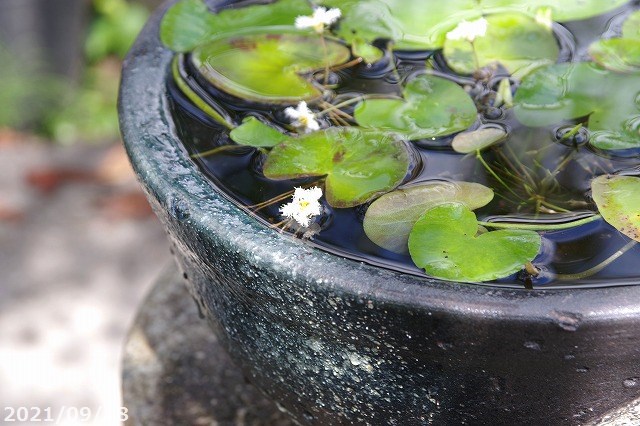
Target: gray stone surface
71,278
176,373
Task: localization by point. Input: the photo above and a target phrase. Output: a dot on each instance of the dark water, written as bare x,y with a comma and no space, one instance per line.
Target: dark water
238,172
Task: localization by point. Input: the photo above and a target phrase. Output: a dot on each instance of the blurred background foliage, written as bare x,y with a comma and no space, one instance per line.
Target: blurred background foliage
80,107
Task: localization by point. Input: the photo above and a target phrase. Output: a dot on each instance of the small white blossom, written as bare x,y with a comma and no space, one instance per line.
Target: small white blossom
320,19
302,117
304,205
469,30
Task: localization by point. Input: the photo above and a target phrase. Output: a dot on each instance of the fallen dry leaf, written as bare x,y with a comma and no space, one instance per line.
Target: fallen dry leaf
127,205
47,180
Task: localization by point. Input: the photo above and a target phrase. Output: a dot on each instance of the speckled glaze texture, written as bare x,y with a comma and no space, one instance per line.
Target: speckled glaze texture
335,341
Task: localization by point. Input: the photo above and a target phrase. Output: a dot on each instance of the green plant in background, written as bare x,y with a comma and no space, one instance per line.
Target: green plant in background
56,108
91,113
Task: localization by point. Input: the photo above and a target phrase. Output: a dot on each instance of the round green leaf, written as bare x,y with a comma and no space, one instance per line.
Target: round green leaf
444,242
253,132
477,140
423,25
617,54
560,92
618,199
433,106
620,54
189,23
514,40
359,164
389,219
267,68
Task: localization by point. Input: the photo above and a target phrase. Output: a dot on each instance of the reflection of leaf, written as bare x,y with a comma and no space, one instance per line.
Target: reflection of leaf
420,25
444,243
267,67
477,140
620,54
432,107
359,164
569,91
253,132
390,218
189,23
618,200
514,40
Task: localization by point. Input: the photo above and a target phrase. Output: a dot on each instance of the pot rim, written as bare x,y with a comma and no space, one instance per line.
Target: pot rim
176,186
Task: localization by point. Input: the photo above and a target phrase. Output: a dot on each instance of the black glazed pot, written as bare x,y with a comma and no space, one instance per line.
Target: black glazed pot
335,341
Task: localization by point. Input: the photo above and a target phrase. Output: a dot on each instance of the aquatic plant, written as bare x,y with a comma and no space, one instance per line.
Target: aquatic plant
488,79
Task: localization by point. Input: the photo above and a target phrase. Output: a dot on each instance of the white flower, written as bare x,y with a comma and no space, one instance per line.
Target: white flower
304,205
469,30
320,19
302,117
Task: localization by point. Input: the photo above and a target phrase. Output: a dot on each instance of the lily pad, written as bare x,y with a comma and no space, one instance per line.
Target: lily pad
253,132
189,23
514,40
618,199
477,140
423,25
267,68
620,54
631,27
359,164
444,242
432,107
389,219
560,92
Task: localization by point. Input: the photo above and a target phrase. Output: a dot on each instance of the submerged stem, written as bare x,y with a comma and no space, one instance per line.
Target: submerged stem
352,101
600,266
532,227
326,60
217,149
494,174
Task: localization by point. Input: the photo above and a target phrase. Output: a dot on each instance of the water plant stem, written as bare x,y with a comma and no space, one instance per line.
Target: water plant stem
475,55
218,149
533,227
271,201
571,132
492,173
195,97
600,266
350,102
347,64
325,80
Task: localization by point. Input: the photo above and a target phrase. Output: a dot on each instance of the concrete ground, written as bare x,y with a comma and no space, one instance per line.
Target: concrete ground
79,248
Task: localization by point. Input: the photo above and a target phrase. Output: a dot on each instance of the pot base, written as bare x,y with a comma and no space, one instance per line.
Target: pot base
176,372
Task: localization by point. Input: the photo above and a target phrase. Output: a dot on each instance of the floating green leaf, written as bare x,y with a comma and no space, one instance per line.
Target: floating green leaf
267,68
444,242
189,23
432,107
514,40
631,27
477,140
389,219
421,25
571,91
618,199
253,132
620,54
359,164
617,54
